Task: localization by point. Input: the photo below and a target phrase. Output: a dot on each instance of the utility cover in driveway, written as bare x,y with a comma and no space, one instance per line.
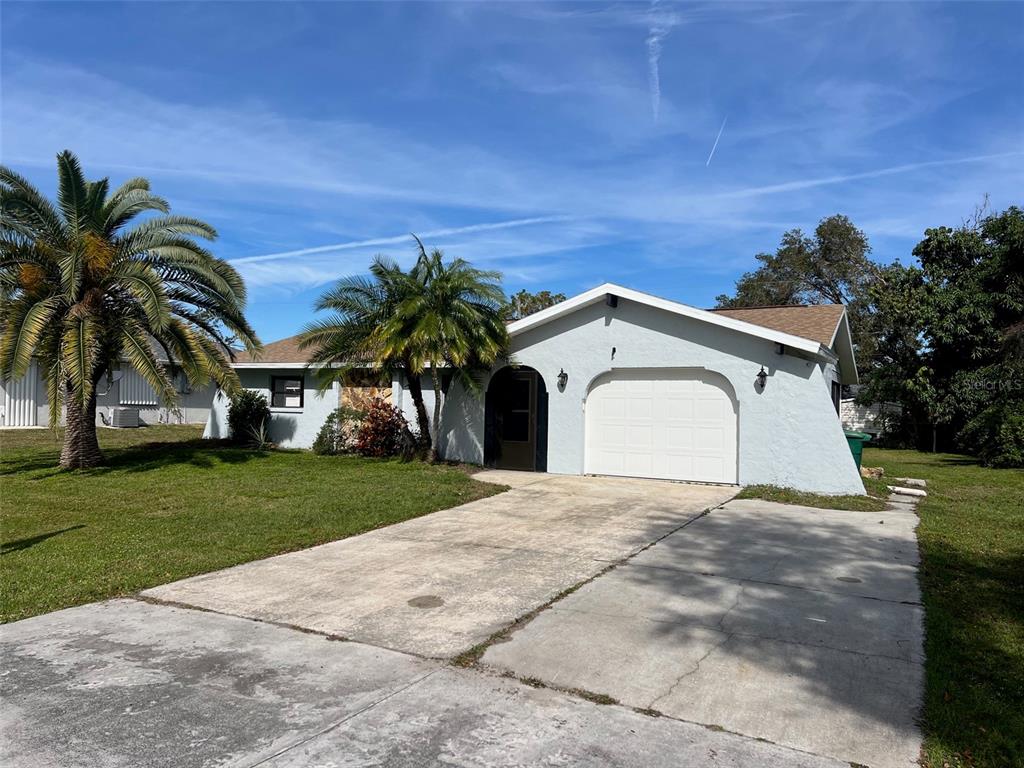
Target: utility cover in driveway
440,584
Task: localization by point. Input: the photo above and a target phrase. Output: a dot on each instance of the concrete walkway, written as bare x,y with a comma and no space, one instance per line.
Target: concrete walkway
438,585
801,626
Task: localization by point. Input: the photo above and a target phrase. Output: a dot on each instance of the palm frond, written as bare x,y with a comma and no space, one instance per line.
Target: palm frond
145,285
178,225
24,206
79,346
72,189
25,322
136,350
119,211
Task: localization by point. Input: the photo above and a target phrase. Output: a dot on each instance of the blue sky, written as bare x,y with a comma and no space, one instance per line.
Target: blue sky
563,144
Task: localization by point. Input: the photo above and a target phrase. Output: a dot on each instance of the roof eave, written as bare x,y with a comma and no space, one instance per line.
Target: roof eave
597,294
842,347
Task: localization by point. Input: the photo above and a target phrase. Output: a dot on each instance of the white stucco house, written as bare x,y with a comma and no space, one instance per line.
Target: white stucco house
618,382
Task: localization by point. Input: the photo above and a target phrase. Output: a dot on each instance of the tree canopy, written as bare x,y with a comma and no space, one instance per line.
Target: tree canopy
829,267
523,303
953,355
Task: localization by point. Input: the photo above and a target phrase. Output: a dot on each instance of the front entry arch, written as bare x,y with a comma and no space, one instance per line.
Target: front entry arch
516,420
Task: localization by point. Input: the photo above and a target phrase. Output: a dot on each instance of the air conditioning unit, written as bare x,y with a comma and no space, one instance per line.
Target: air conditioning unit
124,418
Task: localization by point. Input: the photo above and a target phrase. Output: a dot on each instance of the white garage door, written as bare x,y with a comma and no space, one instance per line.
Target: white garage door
664,423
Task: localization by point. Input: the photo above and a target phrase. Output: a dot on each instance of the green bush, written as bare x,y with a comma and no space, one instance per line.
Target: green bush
996,435
340,432
248,417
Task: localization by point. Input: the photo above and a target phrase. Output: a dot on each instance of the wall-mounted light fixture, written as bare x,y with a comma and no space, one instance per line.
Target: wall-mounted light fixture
762,378
563,378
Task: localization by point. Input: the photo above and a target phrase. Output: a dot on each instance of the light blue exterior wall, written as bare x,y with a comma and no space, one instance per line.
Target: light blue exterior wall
289,427
789,434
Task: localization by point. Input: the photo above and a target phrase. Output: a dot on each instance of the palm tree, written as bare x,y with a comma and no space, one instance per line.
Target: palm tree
82,291
353,336
451,319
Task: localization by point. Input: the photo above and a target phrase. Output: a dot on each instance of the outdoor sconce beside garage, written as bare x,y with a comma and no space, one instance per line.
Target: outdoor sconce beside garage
563,378
761,379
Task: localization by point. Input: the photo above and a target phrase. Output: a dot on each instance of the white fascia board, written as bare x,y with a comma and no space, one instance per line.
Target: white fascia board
842,344
595,295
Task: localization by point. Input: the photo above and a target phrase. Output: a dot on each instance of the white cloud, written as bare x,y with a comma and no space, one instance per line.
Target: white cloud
284,185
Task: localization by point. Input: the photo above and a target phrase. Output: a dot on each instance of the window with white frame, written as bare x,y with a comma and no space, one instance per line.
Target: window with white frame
286,391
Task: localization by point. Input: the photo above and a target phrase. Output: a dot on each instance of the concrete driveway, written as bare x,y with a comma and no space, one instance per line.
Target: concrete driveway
440,584
126,684
764,635
796,625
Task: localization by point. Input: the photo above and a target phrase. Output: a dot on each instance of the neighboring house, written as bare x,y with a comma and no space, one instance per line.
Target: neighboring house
871,418
618,382
25,402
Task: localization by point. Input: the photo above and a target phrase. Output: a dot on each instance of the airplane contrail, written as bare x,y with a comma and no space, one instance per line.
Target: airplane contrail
401,238
716,143
658,29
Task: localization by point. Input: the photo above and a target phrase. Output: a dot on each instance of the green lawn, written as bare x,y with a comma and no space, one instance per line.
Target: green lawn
875,501
170,505
972,577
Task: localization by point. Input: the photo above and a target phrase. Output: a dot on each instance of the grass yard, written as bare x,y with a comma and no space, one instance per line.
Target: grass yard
875,501
972,577
170,505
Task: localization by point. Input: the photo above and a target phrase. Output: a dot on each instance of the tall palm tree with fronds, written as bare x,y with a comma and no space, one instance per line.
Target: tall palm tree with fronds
354,336
86,284
451,319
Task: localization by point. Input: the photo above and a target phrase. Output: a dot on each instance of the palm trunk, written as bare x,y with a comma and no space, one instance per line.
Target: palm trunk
81,447
435,453
422,422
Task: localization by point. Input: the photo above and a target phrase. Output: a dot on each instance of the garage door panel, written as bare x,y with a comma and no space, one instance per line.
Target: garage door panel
664,423
613,408
678,440
678,408
640,408
639,437
639,464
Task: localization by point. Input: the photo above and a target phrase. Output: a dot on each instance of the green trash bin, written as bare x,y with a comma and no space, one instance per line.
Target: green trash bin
856,441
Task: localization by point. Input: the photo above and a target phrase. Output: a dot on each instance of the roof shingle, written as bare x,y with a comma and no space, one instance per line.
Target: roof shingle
816,322
283,351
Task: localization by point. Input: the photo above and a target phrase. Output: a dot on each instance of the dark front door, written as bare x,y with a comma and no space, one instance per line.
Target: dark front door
516,417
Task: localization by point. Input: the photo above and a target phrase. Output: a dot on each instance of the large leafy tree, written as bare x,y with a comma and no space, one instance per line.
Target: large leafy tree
973,312
91,282
830,267
355,335
523,303
949,345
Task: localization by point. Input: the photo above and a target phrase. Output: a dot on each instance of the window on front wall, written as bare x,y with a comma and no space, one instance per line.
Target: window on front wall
837,395
285,391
